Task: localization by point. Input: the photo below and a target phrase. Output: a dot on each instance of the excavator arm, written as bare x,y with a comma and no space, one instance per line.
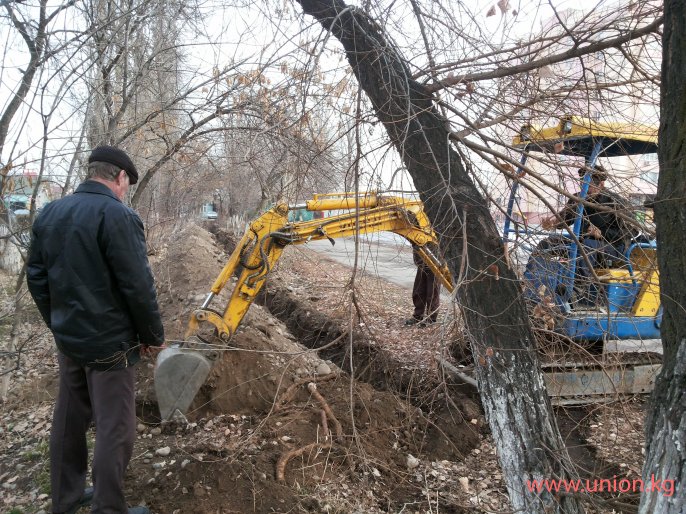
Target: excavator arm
263,243
181,371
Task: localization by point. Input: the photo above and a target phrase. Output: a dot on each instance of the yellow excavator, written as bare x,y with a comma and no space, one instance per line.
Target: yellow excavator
181,370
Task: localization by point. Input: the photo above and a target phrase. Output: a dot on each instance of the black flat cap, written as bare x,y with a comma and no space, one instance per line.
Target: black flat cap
117,157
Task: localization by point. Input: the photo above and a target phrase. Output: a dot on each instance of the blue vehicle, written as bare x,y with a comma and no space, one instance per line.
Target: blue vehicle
623,299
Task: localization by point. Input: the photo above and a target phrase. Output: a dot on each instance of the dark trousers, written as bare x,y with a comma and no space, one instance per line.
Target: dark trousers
425,294
107,398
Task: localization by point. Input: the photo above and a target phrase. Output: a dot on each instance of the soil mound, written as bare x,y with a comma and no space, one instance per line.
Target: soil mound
184,270
275,414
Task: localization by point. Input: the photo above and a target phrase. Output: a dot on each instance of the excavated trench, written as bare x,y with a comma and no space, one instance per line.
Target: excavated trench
448,410
446,417
316,330
375,366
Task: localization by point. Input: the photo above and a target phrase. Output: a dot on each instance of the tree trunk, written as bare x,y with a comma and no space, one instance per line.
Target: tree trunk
666,423
508,371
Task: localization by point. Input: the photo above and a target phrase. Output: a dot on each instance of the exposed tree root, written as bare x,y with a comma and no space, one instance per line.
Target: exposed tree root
285,457
312,388
289,393
325,424
326,414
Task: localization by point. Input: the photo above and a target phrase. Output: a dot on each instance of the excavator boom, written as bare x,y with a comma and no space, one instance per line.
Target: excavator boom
180,372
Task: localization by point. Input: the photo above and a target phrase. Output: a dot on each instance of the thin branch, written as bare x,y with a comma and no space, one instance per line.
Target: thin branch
508,71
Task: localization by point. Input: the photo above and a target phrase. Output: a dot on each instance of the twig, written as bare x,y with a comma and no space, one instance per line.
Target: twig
625,507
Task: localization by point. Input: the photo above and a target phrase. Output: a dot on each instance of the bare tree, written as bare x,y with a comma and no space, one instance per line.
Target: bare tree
35,37
510,380
666,423
35,43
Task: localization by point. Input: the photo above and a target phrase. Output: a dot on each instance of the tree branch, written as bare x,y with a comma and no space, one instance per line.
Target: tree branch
507,71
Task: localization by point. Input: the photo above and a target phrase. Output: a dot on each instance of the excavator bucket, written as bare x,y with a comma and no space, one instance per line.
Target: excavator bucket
180,372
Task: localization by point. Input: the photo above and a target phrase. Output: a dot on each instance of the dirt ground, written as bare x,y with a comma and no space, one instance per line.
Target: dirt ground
281,426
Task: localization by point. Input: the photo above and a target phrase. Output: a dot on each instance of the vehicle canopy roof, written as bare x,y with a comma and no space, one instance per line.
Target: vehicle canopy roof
578,136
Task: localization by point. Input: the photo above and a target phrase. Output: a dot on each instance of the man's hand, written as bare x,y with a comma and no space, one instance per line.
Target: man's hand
151,351
594,231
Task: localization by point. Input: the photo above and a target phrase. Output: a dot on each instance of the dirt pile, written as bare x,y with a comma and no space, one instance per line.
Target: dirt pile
185,268
276,415
261,359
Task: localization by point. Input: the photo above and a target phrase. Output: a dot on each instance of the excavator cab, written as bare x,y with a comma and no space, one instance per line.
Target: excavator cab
593,299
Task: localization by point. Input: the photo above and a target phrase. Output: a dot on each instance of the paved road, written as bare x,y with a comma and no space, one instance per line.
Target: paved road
390,260
390,257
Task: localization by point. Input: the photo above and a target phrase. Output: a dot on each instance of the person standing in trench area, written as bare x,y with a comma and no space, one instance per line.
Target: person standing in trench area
89,275
425,293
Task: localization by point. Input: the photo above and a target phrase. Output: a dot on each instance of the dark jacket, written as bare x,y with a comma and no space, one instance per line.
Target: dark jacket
89,275
614,229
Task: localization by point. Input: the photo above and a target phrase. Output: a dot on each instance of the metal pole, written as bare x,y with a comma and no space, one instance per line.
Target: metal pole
513,194
573,248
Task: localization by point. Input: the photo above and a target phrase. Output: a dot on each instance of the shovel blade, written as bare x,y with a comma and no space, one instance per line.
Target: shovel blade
179,375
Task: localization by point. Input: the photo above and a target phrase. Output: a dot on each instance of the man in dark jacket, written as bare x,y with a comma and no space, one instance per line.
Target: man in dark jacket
89,275
604,232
